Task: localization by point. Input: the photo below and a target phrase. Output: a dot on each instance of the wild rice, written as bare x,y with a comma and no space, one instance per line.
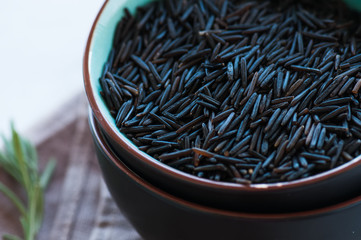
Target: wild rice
234,92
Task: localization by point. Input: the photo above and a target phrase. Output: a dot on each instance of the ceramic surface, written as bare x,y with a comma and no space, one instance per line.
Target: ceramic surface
158,215
324,189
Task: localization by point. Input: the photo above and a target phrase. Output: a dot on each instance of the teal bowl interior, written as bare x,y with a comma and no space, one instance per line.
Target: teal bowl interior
354,4
196,189
103,36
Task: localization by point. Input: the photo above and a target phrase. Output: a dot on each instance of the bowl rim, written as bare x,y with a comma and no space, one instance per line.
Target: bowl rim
125,143
107,150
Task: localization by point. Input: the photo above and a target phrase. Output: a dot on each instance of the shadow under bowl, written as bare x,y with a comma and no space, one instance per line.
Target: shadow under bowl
324,189
158,215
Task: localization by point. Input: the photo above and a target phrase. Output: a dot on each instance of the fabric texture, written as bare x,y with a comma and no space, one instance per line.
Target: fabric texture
78,204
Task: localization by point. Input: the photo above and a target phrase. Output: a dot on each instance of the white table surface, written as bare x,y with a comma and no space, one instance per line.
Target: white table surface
41,49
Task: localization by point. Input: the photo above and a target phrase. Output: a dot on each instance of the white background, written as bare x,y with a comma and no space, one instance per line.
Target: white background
41,49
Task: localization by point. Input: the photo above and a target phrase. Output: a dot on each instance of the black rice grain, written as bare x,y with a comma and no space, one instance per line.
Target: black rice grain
247,93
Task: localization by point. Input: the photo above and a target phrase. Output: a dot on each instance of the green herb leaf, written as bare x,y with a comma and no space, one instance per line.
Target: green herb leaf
11,237
19,159
48,171
12,196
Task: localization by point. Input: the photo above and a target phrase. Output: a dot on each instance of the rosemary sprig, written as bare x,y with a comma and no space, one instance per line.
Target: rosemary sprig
19,159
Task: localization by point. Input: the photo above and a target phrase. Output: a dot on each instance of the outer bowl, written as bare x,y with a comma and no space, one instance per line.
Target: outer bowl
158,215
324,189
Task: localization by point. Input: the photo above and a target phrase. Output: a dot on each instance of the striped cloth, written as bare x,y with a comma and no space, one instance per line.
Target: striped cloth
78,204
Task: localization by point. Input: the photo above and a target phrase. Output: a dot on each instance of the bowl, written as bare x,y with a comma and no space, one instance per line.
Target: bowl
158,215
324,189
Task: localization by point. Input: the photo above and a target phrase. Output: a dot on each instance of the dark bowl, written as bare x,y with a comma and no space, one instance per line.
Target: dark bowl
324,189
158,215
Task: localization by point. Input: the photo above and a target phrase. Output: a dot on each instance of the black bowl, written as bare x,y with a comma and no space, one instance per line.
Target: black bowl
324,189
158,215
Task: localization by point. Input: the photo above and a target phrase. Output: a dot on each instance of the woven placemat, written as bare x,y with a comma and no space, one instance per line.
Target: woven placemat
78,204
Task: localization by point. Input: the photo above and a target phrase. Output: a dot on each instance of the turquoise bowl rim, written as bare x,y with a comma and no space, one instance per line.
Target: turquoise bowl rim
101,34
